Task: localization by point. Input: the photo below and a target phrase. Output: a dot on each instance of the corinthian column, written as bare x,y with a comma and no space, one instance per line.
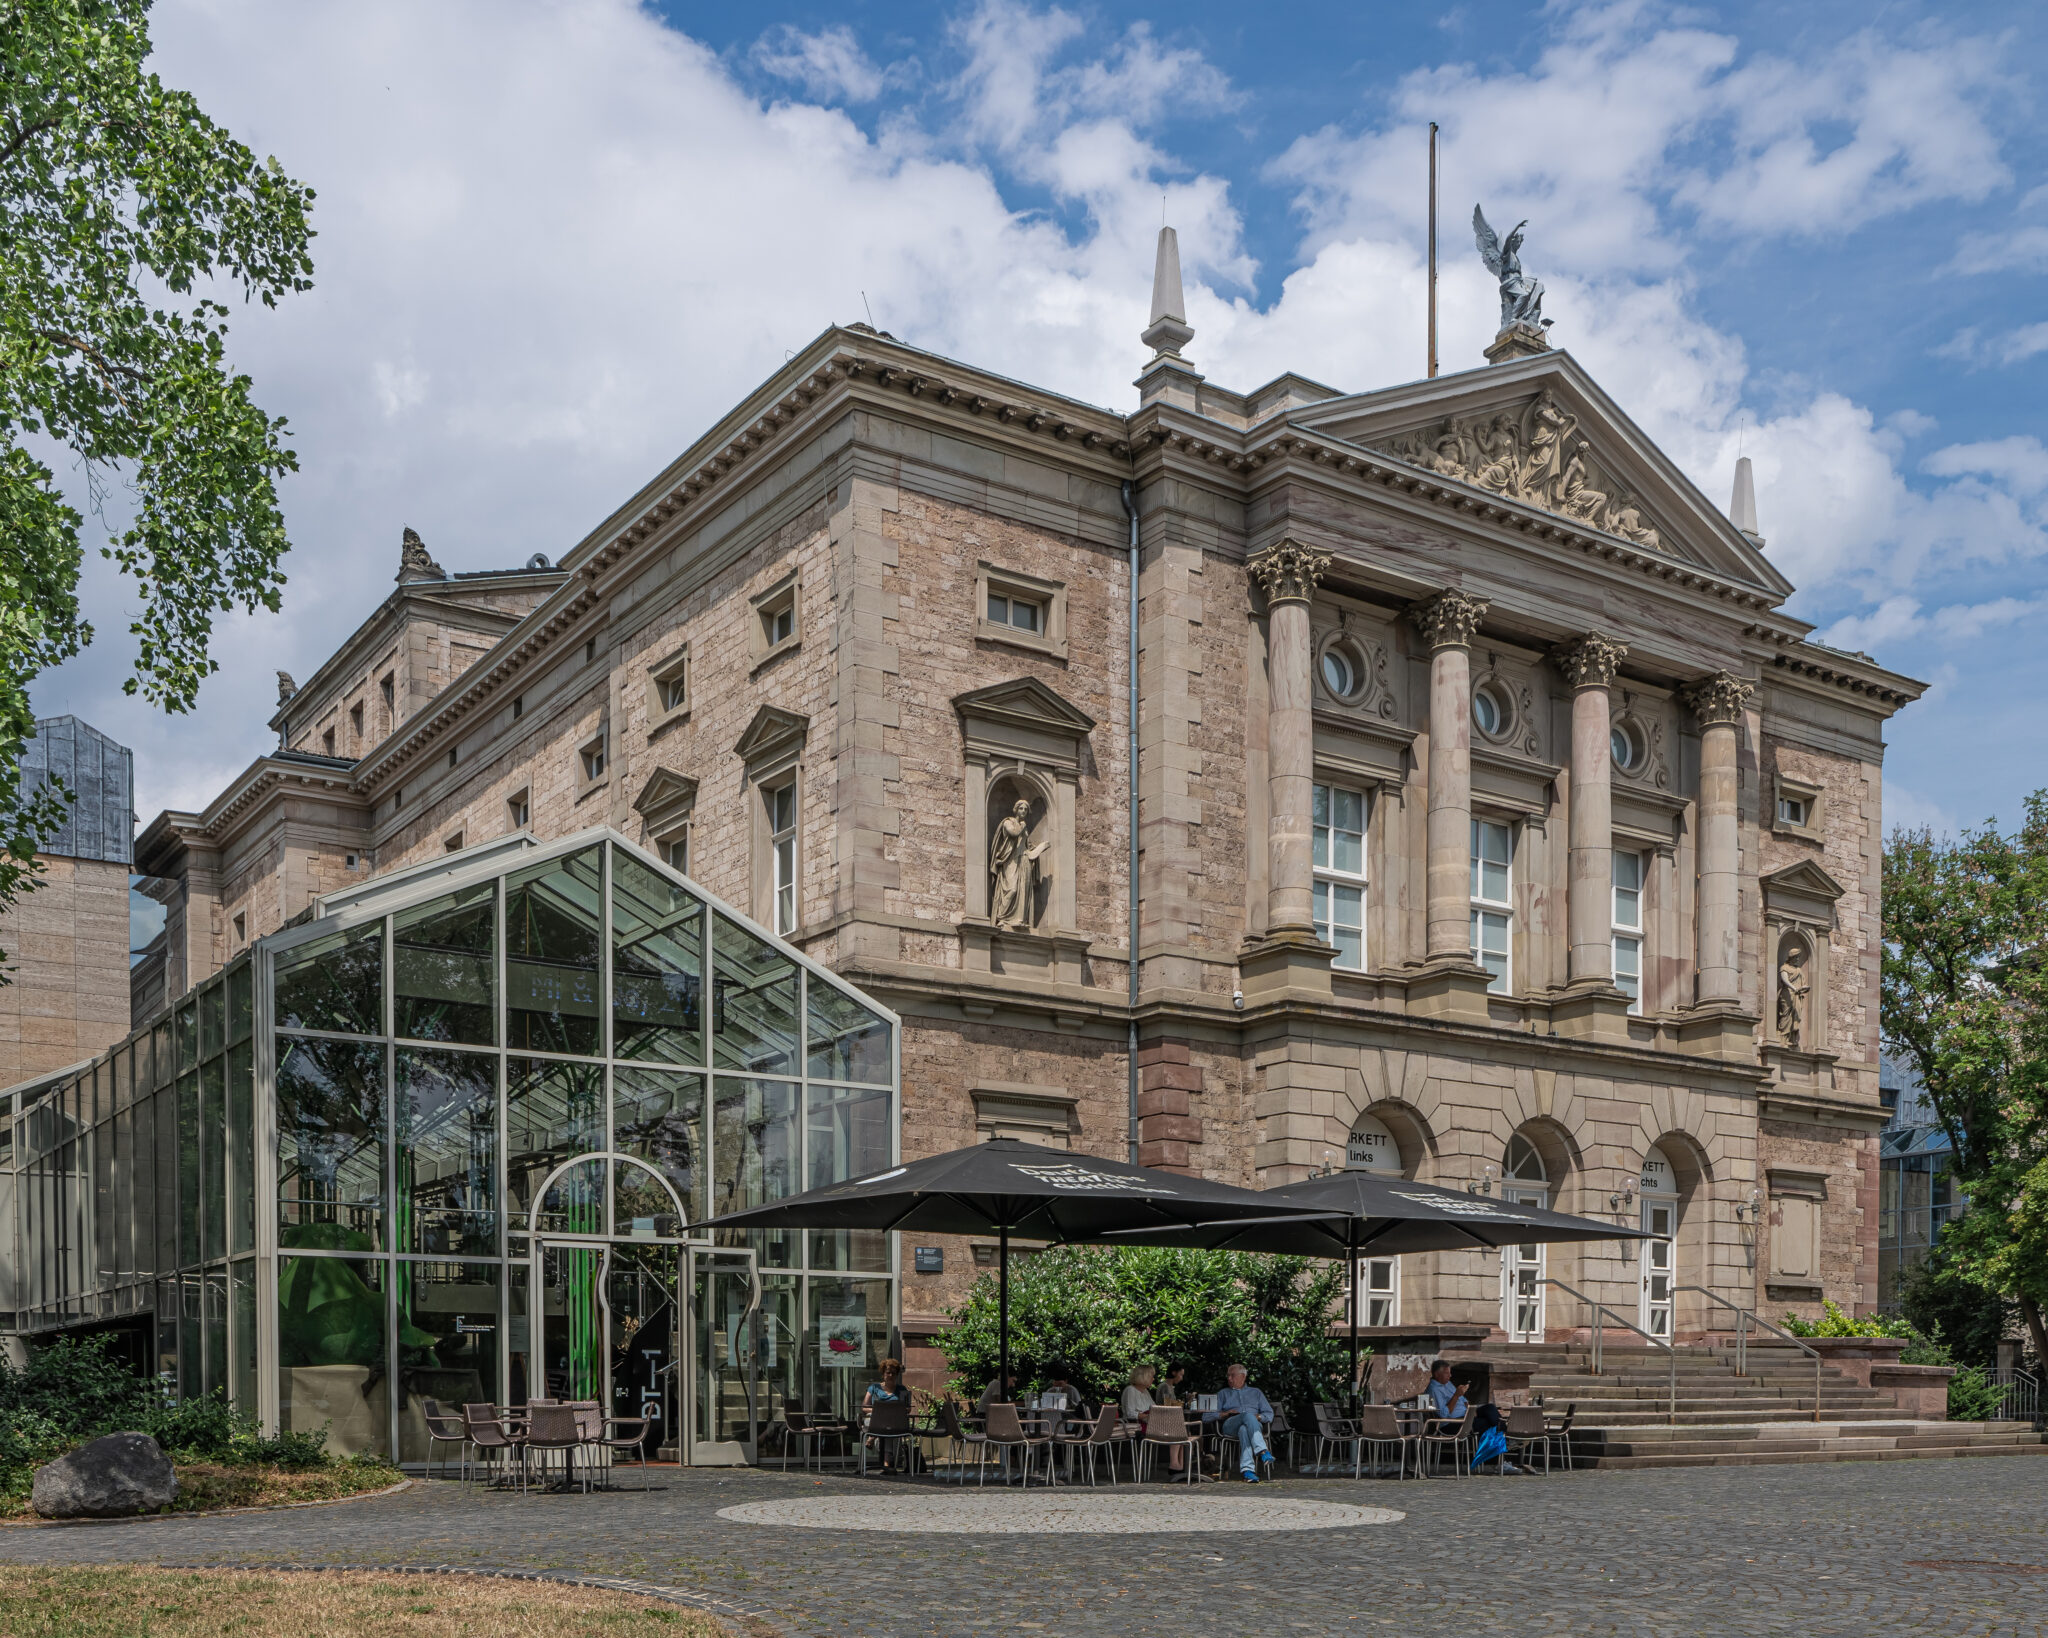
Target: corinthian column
1448,622
1288,572
1588,665
1718,701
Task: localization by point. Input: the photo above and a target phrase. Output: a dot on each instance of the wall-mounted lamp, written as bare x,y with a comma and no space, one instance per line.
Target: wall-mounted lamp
1484,1185
1237,999
1752,1209
1622,1198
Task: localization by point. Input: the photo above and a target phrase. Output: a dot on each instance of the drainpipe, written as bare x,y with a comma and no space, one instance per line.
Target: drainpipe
1130,493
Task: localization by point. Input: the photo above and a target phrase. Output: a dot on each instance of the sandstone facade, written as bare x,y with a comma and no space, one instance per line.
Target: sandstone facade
898,589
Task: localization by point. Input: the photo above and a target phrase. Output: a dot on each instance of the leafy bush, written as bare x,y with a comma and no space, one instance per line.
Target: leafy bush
1101,1311
1834,1323
77,1386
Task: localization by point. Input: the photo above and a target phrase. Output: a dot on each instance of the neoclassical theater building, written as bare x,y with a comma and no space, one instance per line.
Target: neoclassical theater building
1447,794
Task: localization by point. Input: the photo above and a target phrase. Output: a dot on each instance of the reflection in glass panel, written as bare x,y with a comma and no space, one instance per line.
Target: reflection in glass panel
640,1287
569,1329
167,1254
659,1116
851,1320
238,1003
334,983
330,1144
754,1157
657,966
331,1364
188,1036
552,948
442,958
241,1148
213,1148
753,1007
166,1061
188,1168
552,1111
574,1202
849,1133
847,1041
191,1350
447,1107
447,1344
216,1324
242,1371
213,1020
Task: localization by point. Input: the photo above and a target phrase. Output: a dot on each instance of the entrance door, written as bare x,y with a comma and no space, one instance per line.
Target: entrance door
568,1326
641,1283
724,1365
1521,1276
1660,1219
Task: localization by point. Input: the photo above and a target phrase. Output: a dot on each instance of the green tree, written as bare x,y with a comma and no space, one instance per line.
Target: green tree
1966,1002
125,215
1103,1310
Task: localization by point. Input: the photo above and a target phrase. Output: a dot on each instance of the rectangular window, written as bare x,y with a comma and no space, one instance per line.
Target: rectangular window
1023,613
1340,873
241,930
1628,928
355,721
778,624
782,848
388,687
675,850
327,741
593,760
1492,910
1379,1291
1791,810
520,810
452,844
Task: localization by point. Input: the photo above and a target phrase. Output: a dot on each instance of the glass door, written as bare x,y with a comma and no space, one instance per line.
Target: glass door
1521,1277
1659,1273
723,1372
641,1287
568,1325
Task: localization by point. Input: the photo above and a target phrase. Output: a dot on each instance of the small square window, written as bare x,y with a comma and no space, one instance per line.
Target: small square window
241,929
348,861
779,623
776,623
589,650
520,811
1020,609
1023,613
452,844
668,688
327,741
1792,810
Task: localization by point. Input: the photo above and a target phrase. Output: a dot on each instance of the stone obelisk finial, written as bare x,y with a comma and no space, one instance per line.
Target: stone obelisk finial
1168,330
1742,507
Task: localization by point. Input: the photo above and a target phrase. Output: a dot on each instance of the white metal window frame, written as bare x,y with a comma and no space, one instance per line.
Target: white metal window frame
781,801
1379,1291
1493,910
1627,918
1339,888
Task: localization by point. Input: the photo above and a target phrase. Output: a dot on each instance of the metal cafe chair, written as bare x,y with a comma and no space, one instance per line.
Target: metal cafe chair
889,1423
1439,1436
1332,1428
1376,1427
1525,1428
492,1436
557,1427
444,1427
1167,1425
1099,1439
960,1440
1005,1432
626,1436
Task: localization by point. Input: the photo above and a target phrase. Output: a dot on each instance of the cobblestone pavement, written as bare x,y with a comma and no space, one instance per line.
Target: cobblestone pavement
1955,1547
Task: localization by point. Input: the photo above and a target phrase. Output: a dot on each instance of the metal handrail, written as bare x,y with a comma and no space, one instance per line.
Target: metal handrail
2022,1401
1746,1317
1599,1326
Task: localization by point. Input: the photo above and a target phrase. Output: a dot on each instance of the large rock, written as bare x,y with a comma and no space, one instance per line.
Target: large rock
111,1478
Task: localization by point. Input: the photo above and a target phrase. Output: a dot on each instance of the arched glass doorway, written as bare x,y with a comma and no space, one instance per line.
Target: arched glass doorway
625,1309
1525,1182
1659,1195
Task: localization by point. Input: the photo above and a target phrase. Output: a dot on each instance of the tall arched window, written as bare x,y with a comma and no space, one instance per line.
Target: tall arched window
1524,1181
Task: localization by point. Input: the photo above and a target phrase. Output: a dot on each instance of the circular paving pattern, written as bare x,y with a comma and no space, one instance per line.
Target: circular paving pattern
980,1513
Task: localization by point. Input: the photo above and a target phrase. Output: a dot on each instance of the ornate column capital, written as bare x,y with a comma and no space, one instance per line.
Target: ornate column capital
1718,698
1450,619
1288,571
1589,661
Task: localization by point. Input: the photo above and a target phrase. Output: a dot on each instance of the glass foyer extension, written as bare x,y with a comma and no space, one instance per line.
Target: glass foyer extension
448,1140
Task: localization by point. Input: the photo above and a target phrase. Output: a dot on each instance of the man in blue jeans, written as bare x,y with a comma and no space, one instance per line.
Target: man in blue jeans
1245,1414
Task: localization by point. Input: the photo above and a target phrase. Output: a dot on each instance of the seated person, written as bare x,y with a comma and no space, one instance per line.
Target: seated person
1169,1389
1448,1401
996,1393
890,1390
1244,1413
1059,1384
1137,1404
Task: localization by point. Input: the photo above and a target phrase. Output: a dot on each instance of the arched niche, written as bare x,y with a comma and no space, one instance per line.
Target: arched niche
1020,806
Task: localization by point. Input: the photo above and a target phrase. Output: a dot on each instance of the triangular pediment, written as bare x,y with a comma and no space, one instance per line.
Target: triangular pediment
1539,433
773,732
1804,878
665,791
1024,702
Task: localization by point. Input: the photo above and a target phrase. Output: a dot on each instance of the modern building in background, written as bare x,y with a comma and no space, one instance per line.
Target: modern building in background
1917,1197
1425,778
66,995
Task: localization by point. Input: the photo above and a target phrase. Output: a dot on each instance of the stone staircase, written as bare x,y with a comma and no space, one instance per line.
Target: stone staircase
1760,1415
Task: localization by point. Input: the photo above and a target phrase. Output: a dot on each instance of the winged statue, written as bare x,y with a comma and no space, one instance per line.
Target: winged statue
1521,297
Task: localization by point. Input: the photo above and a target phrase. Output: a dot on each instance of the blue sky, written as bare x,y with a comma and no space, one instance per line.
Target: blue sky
559,237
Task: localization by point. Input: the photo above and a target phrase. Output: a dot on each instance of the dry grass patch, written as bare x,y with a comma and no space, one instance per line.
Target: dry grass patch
207,1487
151,1603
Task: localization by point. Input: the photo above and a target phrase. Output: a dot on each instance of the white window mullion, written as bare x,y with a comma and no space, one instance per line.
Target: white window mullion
1628,927
1493,914
1339,859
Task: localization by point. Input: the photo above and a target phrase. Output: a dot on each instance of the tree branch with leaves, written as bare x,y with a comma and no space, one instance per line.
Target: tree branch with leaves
126,216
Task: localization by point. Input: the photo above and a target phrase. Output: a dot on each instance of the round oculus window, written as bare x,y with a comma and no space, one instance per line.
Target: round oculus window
1338,675
1623,744
1486,711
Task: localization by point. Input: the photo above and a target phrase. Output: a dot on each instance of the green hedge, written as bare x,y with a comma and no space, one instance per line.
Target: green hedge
1102,1311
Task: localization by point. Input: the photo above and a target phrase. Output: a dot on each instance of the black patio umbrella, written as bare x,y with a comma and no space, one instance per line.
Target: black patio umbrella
1007,1187
1357,1213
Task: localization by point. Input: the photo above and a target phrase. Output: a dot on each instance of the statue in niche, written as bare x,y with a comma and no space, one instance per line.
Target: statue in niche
1793,989
1013,869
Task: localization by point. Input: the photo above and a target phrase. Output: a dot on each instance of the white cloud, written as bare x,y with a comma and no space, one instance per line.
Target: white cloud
2020,250
830,64
1971,346
2019,463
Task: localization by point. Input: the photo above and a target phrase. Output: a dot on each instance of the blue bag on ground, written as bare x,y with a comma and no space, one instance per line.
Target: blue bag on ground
1492,1443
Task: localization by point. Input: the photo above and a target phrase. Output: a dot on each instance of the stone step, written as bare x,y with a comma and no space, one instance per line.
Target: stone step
1749,1416
1793,1458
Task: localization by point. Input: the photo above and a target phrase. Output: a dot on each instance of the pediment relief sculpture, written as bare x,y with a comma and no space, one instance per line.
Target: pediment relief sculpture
1535,454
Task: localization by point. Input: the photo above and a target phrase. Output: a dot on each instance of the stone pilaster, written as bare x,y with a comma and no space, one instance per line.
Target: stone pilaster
1448,622
1290,953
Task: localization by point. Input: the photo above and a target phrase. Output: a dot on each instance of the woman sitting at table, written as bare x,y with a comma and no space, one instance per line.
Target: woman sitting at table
1138,1404
890,1390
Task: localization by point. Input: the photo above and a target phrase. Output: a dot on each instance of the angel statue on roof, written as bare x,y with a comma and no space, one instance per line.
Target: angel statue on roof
1521,297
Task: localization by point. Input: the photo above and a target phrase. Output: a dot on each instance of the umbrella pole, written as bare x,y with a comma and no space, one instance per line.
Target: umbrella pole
1351,1274
1003,1310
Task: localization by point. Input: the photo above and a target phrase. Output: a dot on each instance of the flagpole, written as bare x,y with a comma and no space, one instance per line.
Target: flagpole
1432,267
